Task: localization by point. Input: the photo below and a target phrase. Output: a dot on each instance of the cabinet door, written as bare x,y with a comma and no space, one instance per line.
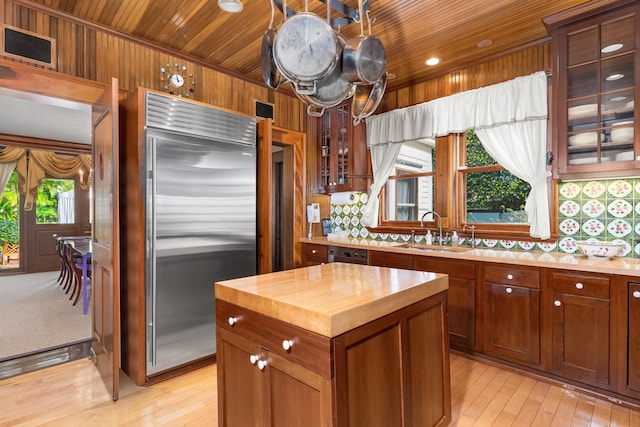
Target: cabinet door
633,372
342,156
595,85
239,381
461,297
295,396
512,323
580,338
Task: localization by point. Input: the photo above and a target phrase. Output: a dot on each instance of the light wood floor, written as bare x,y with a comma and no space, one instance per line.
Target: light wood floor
482,395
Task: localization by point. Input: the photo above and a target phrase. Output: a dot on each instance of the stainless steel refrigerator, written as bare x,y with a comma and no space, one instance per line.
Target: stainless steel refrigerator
200,222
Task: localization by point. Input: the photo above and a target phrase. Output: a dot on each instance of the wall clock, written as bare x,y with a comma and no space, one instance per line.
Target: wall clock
176,80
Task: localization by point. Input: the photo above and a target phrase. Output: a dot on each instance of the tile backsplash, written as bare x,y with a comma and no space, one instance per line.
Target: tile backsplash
607,210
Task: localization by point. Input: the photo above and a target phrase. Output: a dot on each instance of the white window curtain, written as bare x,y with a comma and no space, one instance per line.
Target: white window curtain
523,99
383,160
6,169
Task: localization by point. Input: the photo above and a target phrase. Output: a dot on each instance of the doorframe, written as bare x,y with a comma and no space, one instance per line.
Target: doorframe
268,134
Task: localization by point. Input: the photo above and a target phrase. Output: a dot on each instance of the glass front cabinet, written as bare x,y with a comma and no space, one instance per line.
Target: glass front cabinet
594,88
343,152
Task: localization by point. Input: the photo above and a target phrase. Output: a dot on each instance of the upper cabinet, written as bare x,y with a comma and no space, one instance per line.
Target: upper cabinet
342,157
594,88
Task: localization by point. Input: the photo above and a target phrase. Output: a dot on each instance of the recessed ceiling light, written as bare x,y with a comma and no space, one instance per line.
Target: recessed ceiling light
611,48
232,6
484,43
432,61
613,77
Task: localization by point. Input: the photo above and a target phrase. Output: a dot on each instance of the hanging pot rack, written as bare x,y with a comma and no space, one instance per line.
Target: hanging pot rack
349,14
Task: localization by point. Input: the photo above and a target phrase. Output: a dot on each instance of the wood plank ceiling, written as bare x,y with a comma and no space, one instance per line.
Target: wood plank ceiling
410,30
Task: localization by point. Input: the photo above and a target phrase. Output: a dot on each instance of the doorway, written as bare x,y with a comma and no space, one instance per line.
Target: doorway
282,207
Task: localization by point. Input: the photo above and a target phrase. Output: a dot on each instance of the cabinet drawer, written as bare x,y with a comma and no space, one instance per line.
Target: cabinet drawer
512,275
576,284
309,349
314,251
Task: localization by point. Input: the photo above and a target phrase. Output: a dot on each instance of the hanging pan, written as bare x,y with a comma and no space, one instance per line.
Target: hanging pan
305,50
367,98
270,72
363,58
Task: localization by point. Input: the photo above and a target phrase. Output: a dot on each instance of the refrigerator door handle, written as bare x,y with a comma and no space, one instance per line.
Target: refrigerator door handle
151,252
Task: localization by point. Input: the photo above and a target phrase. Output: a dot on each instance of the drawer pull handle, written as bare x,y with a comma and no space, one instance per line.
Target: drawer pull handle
557,303
510,276
254,358
313,251
232,321
262,364
579,285
636,294
509,290
287,344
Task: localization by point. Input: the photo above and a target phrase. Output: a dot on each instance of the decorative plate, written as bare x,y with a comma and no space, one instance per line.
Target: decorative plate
569,226
620,208
593,189
593,227
593,208
619,228
620,188
570,190
569,208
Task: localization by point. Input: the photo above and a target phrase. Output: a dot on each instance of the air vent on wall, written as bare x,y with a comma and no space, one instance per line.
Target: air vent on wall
264,111
27,46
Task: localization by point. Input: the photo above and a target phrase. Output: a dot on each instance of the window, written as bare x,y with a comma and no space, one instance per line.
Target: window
56,202
490,193
409,192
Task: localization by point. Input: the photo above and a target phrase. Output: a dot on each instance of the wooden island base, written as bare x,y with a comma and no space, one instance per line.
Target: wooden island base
392,370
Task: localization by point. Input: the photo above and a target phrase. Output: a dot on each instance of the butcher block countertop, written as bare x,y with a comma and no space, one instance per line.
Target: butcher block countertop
577,262
331,299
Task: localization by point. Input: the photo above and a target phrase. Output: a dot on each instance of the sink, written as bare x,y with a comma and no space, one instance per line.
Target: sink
432,248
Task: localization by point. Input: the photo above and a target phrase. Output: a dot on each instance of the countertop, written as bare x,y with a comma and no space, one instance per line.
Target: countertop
578,262
331,299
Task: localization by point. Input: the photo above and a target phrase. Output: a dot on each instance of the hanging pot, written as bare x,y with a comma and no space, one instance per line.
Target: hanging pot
367,98
363,58
270,72
331,90
305,50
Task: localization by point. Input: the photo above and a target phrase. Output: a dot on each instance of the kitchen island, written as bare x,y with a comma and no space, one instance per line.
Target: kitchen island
333,345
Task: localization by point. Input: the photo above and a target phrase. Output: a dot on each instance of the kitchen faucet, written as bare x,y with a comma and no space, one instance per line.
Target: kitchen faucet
439,223
473,234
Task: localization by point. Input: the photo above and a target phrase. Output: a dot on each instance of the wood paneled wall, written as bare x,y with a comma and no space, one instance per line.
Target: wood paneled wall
97,54
520,63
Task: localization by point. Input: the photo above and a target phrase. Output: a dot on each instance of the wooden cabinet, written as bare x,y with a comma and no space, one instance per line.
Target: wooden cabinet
460,298
511,313
633,338
261,383
579,315
342,152
594,89
361,377
313,254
